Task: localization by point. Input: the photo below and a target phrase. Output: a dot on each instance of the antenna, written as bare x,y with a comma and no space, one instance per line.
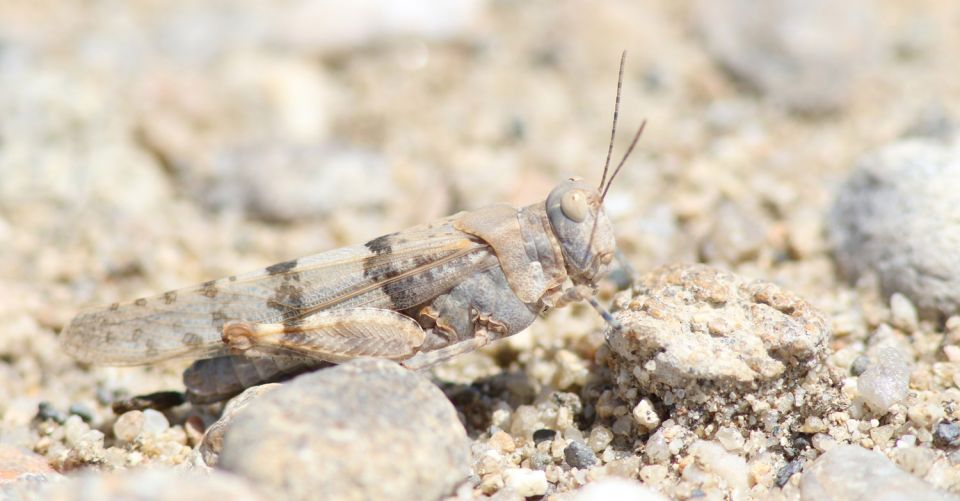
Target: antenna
624,159
616,114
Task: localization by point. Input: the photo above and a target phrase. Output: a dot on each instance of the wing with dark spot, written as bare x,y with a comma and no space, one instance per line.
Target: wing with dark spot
396,271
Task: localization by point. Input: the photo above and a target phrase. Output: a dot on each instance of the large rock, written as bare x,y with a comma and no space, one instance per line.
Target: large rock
710,345
898,216
854,473
695,323
153,485
367,429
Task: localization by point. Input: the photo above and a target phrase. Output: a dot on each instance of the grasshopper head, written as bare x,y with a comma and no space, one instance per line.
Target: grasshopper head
575,211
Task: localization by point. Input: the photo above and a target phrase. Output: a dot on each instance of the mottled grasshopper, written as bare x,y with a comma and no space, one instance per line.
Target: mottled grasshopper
418,296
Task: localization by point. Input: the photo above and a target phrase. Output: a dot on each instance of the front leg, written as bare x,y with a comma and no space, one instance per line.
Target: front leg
583,293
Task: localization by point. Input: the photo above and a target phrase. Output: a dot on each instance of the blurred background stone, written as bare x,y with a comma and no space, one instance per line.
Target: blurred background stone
364,429
896,217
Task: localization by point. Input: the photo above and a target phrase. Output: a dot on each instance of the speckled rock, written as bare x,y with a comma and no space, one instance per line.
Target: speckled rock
851,472
212,442
367,429
702,340
803,54
896,216
154,485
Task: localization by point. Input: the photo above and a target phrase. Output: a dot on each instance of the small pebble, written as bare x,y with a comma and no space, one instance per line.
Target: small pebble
543,435
886,382
81,410
128,426
607,489
154,422
902,313
540,460
600,437
860,365
791,468
578,455
946,434
525,482
731,439
502,441
46,411
645,415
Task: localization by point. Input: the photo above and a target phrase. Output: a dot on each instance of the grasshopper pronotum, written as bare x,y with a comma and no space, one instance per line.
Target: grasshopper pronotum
418,296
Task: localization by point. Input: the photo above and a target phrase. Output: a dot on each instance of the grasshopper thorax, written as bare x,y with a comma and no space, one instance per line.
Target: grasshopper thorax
585,234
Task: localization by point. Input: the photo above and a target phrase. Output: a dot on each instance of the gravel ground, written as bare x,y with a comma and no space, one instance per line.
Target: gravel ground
794,174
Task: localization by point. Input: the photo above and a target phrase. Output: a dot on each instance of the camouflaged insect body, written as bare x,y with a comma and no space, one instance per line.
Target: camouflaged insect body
417,296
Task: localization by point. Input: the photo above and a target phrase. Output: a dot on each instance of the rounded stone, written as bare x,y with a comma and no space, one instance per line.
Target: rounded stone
896,217
367,429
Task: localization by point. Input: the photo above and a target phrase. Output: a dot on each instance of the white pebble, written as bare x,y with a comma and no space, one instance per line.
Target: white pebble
74,429
128,426
903,313
645,415
729,467
886,382
600,438
823,442
526,482
731,439
658,448
154,422
617,488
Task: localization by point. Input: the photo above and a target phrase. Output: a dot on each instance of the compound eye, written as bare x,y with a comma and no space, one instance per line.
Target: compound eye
574,205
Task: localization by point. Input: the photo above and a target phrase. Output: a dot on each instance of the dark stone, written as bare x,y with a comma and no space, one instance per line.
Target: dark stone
791,468
46,411
946,434
578,455
160,400
81,410
859,365
540,460
543,435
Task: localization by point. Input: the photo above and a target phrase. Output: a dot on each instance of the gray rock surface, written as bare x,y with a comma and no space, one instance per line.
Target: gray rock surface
154,485
781,47
897,216
367,429
854,473
887,380
212,442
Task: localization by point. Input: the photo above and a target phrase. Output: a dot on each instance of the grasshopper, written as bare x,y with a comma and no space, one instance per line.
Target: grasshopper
418,296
